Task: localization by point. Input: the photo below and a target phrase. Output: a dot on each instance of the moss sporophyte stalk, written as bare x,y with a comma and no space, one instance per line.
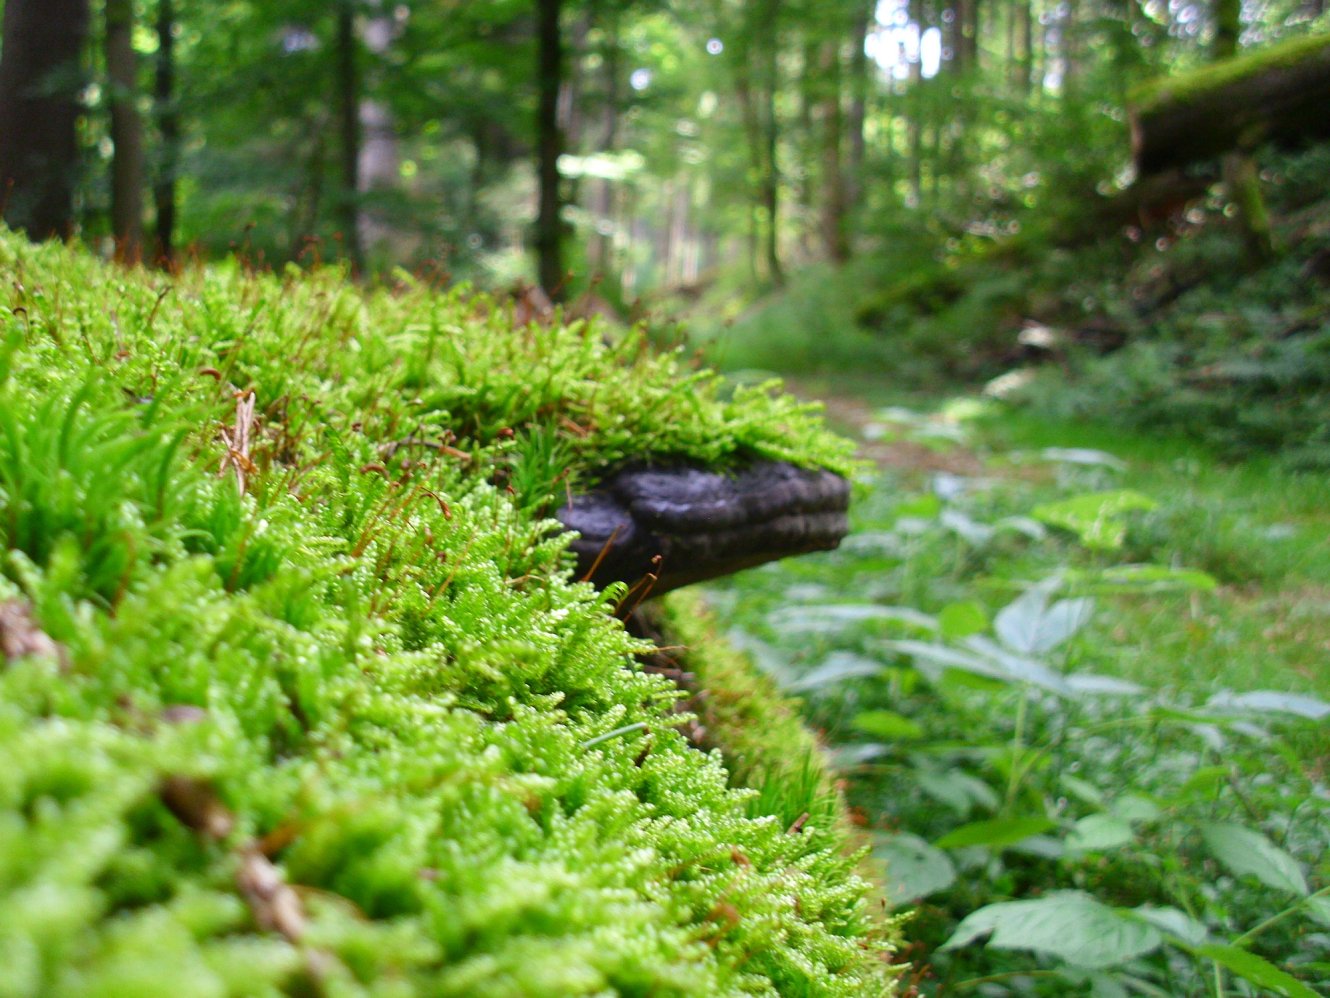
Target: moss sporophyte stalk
297,693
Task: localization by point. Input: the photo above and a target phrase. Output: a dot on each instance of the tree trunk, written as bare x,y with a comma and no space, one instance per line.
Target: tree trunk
549,145
168,128
1070,50
126,132
1228,26
379,164
1025,65
967,35
601,251
348,108
753,136
858,111
1278,95
808,140
40,80
771,174
834,237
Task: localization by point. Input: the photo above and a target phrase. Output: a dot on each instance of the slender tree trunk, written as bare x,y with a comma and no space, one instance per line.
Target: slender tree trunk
753,140
348,109
168,127
915,109
771,175
40,80
1071,50
804,171
602,190
1228,28
966,34
379,164
858,110
126,132
834,236
1034,63
549,145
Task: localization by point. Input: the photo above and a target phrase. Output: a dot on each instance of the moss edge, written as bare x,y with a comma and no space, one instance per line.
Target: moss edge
767,748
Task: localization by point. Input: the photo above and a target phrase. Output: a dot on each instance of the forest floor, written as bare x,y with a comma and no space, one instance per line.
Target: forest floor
1052,659
1261,531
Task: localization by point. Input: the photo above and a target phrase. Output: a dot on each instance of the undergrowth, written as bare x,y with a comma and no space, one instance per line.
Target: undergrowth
1151,323
1092,758
296,695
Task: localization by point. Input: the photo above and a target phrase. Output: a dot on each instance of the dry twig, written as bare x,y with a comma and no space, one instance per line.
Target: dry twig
237,440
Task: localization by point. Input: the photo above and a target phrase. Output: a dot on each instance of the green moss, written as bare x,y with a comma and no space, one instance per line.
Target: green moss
1206,78
367,664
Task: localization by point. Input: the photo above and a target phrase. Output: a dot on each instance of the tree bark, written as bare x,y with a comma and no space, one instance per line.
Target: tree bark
348,106
601,249
857,114
168,128
126,132
379,163
549,146
834,237
1025,65
40,80
771,175
1278,95
966,35
1228,27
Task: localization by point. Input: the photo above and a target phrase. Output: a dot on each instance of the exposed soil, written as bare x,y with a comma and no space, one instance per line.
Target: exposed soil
852,415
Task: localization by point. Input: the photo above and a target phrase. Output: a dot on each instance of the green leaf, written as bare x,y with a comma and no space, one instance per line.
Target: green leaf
1083,789
1256,969
1083,456
1139,579
994,832
969,530
956,789
1174,922
838,667
960,620
1069,925
915,869
1099,833
925,507
1018,668
1029,625
1095,517
889,725
1134,807
1246,852
832,618
1319,909
1089,684
1272,701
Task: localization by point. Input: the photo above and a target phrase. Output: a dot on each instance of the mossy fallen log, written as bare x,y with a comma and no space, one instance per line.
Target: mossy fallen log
297,692
1277,94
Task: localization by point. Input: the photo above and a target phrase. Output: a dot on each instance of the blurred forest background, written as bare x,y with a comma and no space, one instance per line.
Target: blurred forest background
925,191
644,148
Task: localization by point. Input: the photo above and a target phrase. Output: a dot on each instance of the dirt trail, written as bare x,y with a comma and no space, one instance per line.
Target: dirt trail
854,416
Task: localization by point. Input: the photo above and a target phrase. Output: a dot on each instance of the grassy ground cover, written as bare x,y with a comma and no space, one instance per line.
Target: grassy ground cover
1075,679
296,695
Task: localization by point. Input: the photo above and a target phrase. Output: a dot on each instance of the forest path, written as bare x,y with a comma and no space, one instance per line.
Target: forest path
1261,532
